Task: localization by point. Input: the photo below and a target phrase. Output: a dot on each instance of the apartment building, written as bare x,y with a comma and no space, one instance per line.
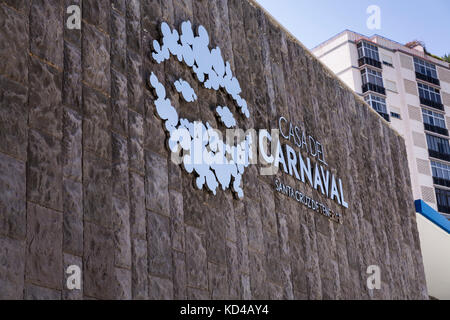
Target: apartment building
410,90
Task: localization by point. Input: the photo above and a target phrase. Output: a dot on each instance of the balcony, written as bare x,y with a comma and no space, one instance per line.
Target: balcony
439,155
441,182
428,79
432,104
369,61
373,87
436,129
385,116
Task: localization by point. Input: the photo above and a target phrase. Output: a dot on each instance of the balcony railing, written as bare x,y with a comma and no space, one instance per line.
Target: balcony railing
366,60
432,104
373,87
436,129
441,182
426,78
439,155
385,116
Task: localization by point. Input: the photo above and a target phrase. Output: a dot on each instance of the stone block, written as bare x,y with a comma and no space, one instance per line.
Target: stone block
72,144
233,272
97,188
254,226
215,237
96,107
135,82
196,259
123,282
177,220
133,27
122,244
96,53
218,283
119,5
46,31
97,13
119,103
72,77
44,247
136,141
120,174
12,268
98,272
268,214
20,5
151,13
159,245
96,124
44,174
12,197
73,217
138,214
160,288
273,261
258,277
242,244
15,43
179,275
154,134
118,42
197,294
45,101
13,118
139,269
33,292
156,183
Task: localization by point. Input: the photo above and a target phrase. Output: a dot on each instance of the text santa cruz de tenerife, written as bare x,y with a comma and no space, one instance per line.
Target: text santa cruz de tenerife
303,169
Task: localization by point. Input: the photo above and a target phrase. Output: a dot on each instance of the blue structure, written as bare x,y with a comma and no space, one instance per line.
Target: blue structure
432,215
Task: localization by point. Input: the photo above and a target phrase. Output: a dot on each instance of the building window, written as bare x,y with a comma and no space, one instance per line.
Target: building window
433,118
368,54
368,50
429,93
425,68
372,76
372,81
434,122
441,173
387,60
378,104
430,96
443,200
438,147
396,115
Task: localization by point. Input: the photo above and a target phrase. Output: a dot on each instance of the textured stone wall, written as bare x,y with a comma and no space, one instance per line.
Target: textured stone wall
86,179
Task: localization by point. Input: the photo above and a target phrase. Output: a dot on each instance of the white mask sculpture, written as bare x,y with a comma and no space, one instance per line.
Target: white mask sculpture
203,150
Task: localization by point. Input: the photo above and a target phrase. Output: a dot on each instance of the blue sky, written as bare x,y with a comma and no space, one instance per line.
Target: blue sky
314,21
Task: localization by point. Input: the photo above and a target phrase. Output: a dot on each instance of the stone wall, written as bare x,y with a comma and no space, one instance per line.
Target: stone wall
86,179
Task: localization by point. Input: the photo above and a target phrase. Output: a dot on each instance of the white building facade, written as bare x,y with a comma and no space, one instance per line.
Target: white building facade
410,90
